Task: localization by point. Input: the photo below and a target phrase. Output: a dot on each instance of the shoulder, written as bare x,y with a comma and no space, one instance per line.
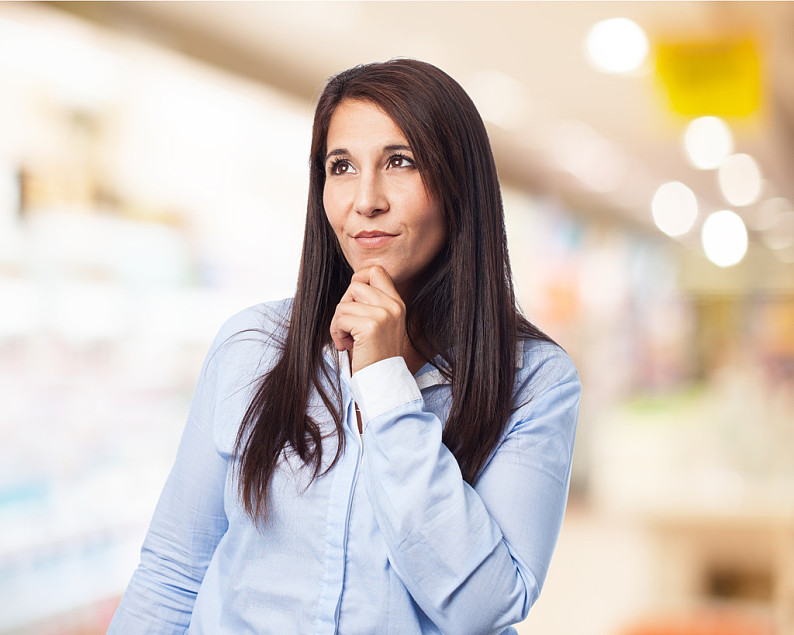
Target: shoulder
546,400
267,317
541,430
251,332
543,366
536,359
246,345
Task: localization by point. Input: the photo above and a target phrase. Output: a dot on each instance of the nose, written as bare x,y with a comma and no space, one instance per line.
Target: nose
371,198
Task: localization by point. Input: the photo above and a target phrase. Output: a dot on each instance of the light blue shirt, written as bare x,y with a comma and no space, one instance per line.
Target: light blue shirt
390,540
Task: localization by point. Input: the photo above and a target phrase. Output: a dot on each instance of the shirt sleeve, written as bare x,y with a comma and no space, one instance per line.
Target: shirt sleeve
473,559
188,523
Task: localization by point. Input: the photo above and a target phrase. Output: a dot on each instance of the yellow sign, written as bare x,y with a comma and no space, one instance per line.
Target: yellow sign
716,76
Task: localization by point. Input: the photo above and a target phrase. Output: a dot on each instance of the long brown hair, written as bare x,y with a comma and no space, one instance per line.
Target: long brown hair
464,309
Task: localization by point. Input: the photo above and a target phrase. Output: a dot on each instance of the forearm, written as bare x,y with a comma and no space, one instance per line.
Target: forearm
443,544
473,560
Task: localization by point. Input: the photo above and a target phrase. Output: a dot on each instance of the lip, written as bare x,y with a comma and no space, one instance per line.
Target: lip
373,239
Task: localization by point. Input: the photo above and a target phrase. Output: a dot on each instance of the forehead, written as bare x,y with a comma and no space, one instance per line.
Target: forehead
361,124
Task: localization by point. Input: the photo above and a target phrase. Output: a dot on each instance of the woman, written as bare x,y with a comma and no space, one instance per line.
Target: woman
390,452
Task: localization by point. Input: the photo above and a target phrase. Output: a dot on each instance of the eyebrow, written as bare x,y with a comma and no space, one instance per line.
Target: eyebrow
390,148
397,147
335,153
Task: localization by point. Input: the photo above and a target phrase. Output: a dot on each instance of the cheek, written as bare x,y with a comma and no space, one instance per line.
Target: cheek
438,238
433,227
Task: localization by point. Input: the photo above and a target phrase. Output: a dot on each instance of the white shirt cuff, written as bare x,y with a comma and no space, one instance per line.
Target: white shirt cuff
381,386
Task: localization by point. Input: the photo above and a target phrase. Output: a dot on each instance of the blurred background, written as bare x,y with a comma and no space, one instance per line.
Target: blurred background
153,178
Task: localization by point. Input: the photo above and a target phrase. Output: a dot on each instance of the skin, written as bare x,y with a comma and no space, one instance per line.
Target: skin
372,185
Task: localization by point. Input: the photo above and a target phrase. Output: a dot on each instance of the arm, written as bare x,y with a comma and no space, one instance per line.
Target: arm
188,522
474,559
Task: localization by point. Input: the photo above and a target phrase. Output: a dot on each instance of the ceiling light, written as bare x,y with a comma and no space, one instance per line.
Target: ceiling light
708,141
674,208
740,179
617,45
724,238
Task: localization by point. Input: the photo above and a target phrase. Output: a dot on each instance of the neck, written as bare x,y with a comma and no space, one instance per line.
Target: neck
412,358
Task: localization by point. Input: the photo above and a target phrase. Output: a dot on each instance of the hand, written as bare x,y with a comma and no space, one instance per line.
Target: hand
370,318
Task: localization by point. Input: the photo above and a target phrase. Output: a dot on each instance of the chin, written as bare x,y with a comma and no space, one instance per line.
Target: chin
398,277
369,262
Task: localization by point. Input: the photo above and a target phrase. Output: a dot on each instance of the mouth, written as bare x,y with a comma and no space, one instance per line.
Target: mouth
373,240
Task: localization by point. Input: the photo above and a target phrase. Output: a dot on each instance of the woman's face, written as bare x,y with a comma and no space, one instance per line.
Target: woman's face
374,197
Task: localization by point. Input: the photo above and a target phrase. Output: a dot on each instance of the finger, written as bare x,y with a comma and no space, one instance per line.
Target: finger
376,276
355,316
347,296
368,294
354,320
361,281
374,313
341,337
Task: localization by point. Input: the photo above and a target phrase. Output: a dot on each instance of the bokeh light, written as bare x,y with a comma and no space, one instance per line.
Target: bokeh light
708,142
674,208
740,179
780,233
617,45
724,238
764,216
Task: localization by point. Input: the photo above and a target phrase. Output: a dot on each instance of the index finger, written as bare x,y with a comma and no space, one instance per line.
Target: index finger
377,277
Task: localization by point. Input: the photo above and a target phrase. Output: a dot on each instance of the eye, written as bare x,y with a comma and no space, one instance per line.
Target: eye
400,161
339,167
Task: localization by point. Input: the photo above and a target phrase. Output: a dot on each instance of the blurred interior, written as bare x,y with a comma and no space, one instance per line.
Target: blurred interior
153,178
